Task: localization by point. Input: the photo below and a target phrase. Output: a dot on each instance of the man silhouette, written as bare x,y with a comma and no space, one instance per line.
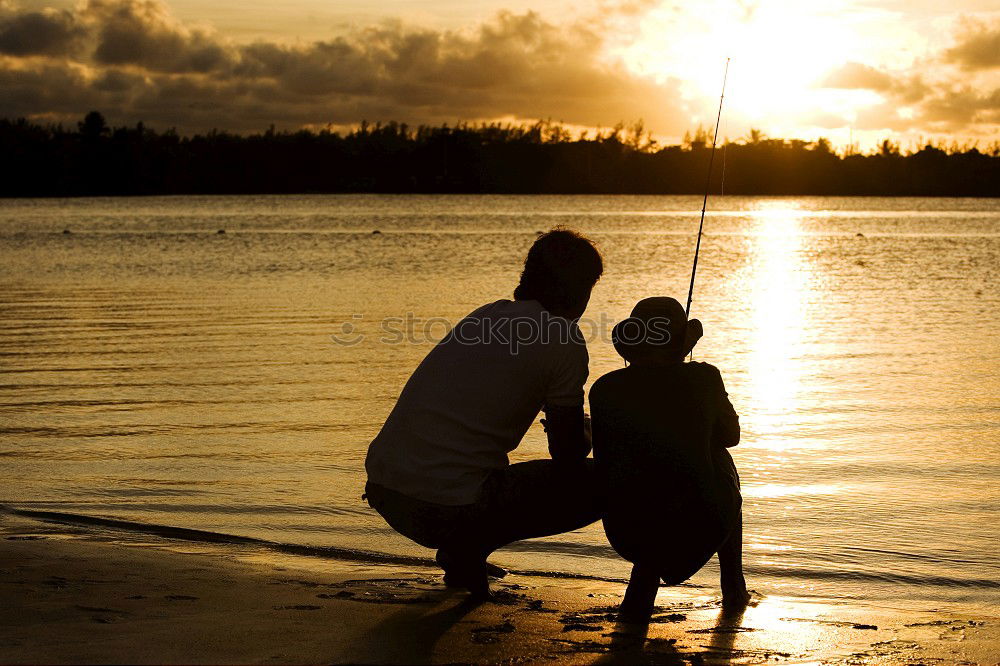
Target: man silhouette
438,471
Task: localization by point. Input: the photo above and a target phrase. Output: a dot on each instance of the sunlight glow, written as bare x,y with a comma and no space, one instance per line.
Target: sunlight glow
780,49
779,616
777,286
770,490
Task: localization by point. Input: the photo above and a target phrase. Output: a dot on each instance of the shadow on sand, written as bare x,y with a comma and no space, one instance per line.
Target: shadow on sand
630,643
411,635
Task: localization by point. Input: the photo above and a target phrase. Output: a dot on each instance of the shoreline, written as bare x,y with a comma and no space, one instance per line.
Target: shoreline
81,596
170,533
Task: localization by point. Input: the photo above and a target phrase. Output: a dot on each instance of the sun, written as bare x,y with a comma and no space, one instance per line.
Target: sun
779,50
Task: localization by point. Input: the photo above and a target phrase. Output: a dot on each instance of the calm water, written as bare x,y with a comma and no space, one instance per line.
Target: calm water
155,370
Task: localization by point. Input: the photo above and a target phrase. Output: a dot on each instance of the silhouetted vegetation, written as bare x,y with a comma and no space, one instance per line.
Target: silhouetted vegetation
94,159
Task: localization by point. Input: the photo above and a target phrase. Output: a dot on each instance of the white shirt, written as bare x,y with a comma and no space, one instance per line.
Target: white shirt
472,399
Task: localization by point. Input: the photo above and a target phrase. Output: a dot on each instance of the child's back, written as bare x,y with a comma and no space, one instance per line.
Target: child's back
661,428
660,438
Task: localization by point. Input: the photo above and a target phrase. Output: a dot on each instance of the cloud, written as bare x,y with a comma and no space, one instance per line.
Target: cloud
858,76
963,106
46,32
53,89
902,88
142,32
134,60
911,102
978,46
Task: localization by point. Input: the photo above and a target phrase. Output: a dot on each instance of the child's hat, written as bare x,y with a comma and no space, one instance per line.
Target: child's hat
656,324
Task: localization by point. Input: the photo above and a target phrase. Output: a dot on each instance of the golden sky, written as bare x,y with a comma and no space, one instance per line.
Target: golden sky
860,70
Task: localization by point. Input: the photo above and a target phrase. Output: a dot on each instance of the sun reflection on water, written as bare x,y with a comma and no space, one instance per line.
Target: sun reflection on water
776,290
774,490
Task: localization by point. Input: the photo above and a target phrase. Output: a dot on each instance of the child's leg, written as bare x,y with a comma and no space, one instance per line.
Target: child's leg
734,586
641,594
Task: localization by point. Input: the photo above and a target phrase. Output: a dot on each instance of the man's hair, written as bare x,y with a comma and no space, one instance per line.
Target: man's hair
561,268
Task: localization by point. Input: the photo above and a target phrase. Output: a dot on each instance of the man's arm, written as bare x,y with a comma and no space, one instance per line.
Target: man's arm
568,430
567,427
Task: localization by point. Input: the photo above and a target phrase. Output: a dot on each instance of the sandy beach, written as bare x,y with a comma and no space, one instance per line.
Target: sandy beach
79,595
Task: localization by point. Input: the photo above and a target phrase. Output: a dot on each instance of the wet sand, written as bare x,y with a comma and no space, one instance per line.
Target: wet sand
76,596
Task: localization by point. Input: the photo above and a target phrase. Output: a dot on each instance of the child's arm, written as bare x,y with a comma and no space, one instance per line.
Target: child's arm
726,429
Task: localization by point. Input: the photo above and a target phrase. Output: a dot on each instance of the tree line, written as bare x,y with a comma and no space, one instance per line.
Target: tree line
543,157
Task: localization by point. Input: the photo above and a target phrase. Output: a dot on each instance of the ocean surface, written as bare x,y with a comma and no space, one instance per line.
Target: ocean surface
155,370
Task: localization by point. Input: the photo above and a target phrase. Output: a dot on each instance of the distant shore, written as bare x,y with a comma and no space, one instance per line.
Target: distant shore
533,158
76,595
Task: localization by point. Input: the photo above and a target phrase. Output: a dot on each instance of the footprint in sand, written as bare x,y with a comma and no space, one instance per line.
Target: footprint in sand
343,594
56,581
832,623
96,609
537,605
669,617
577,626
491,634
180,597
722,630
107,615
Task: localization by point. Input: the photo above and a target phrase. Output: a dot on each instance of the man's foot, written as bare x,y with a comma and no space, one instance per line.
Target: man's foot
493,571
446,561
465,574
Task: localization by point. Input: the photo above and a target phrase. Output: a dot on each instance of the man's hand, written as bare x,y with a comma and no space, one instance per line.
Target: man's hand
588,427
568,430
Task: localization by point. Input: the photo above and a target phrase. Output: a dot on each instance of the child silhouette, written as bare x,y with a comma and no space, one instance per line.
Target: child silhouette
661,429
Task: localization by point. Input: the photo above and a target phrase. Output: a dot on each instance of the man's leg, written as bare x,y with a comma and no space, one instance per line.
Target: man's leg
430,525
522,501
535,499
436,526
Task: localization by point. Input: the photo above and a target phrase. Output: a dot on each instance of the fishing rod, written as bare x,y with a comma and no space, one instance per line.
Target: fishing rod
708,183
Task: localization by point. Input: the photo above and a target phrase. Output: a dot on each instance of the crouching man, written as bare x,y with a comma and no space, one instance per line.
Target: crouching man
438,471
